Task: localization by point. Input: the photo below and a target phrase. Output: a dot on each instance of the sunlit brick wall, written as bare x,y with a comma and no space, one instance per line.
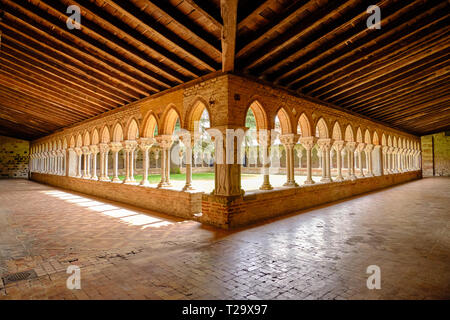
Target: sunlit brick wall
436,154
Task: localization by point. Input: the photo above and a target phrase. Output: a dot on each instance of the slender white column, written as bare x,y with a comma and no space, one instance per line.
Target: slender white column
308,143
289,141
338,146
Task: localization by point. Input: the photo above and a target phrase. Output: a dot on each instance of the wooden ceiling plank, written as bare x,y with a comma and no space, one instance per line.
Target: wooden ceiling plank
205,14
62,63
381,43
78,55
116,49
51,84
192,53
162,59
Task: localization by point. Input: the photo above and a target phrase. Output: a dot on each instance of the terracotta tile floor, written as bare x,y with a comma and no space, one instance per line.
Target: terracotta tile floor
129,253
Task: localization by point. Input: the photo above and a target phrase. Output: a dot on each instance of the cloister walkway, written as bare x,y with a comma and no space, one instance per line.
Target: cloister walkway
130,253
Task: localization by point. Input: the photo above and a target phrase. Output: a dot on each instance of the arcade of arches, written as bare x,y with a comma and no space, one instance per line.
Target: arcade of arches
296,153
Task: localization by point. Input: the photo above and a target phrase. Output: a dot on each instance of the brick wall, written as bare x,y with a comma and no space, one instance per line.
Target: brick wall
234,212
14,157
436,155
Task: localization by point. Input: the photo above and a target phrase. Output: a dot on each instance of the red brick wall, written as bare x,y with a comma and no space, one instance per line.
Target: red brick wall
14,157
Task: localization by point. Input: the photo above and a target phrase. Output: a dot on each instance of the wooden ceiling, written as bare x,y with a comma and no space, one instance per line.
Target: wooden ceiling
52,77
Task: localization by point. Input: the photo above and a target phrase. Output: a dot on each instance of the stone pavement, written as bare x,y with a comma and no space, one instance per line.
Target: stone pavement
320,253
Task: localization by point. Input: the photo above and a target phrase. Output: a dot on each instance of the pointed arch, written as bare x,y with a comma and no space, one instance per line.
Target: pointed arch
337,132
383,140
117,133
95,137
394,142
72,142
79,142
169,120
132,130
105,136
195,113
285,121
375,139
150,125
86,139
359,137
304,125
367,137
59,144
349,136
64,145
321,129
260,115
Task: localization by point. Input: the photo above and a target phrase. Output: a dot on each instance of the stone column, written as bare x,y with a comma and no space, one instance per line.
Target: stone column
368,150
79,153
395,160
86,153
129,146
265,142
104,150
188,142
145,144
351,146
94,150
289,140
360,148
308,143
115,148
165,142
325,147
338,146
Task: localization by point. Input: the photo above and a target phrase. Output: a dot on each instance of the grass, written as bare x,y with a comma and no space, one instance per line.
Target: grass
155,178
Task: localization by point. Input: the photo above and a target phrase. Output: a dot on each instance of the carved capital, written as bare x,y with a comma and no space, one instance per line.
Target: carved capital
94,149
129,145
308,142
115,146
324,144
369,147
338,145
351,146
165,141
104,147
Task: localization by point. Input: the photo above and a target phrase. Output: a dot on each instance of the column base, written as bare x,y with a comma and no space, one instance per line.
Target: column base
369,175
309,182
94,178
104,179
290,184
116,179
164,185
352,177
144,183
188,187
266,187
360,175
339,179
326,180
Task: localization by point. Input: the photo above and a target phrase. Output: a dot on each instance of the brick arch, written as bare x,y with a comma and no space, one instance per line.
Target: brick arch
169,120
349,134
150,123
64,145
105,135
132,129
359,136
375,139
195,112
117,135
86,138
367,137
79,142
94,136
337,131
321,129
394,142
260,114
285,120
304,124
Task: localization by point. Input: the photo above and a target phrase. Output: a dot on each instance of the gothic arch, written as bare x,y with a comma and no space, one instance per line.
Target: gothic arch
321,129
94,135
86,139
259,113
367,137
304,125
169,120
349,135
195,113
132,129
149,125
117,133
105,135
285,120
375,139
337,132
79,142
359,137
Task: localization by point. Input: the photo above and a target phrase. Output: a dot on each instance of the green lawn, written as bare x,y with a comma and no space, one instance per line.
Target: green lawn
155,178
